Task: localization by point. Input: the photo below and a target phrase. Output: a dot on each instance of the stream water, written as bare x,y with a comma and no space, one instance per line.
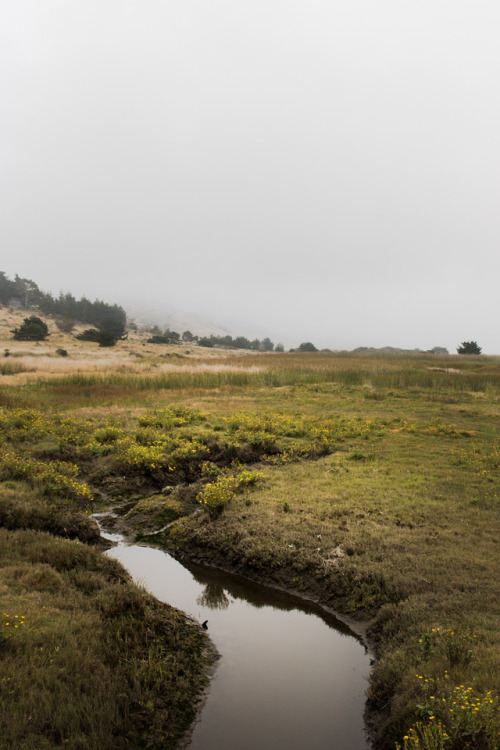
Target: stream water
290,675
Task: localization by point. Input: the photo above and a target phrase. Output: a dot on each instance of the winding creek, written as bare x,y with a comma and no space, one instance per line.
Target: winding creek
290,674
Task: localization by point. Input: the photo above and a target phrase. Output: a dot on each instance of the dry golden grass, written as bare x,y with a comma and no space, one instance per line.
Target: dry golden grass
133,356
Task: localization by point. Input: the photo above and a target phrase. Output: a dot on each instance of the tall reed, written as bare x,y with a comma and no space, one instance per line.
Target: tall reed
376,376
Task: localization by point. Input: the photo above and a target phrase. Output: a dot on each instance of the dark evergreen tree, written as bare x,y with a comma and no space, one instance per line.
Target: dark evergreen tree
7,289
206,341
469,347
172,336
240,342
32,329
99,336
27,291
89,334
168,337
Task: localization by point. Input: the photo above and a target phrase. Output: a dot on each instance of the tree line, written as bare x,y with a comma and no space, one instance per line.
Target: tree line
240,342
227,342
109,320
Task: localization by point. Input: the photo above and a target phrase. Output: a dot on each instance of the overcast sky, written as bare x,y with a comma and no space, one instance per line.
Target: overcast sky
312,170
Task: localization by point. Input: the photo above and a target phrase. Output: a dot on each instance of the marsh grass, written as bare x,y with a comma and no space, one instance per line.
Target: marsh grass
13,368
99,663
23,508
278,374
379,495
389,538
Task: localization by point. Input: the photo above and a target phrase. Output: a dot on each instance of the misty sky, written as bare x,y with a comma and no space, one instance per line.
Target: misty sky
320,170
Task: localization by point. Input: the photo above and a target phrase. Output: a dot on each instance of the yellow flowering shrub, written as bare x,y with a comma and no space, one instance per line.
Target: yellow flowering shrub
182,448
452,716
216,495
322,432
172,416
132,455
460,718
21,425
53,478
107,434
248,478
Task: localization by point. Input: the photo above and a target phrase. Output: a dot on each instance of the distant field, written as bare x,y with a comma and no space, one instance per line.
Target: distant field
369,483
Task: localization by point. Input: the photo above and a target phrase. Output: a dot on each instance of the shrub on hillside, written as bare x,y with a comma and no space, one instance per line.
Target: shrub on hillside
101,337
32,329
169,337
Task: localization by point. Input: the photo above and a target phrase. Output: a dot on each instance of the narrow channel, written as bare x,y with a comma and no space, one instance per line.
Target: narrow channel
290,675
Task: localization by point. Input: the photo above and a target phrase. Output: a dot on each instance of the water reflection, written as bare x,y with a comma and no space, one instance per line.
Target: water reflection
213,596
258,595
290,676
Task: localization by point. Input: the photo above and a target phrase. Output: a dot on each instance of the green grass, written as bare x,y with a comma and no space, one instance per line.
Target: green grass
98,662
379,497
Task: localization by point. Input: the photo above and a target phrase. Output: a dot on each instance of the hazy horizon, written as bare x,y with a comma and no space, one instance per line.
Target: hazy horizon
321,171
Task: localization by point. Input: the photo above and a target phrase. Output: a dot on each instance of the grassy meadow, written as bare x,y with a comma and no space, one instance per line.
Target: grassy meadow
369,483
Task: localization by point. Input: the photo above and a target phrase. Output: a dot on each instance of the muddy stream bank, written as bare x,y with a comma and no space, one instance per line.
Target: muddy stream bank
289,674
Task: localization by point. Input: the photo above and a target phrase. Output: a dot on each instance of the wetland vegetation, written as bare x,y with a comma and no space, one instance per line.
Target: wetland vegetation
367,483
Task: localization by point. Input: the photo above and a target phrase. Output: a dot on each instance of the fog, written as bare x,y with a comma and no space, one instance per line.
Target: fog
318,171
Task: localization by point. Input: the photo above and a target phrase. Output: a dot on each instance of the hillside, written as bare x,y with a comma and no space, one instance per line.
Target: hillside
146,316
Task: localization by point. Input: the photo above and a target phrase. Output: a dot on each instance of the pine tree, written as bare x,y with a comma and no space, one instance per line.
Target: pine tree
469,347
32,329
